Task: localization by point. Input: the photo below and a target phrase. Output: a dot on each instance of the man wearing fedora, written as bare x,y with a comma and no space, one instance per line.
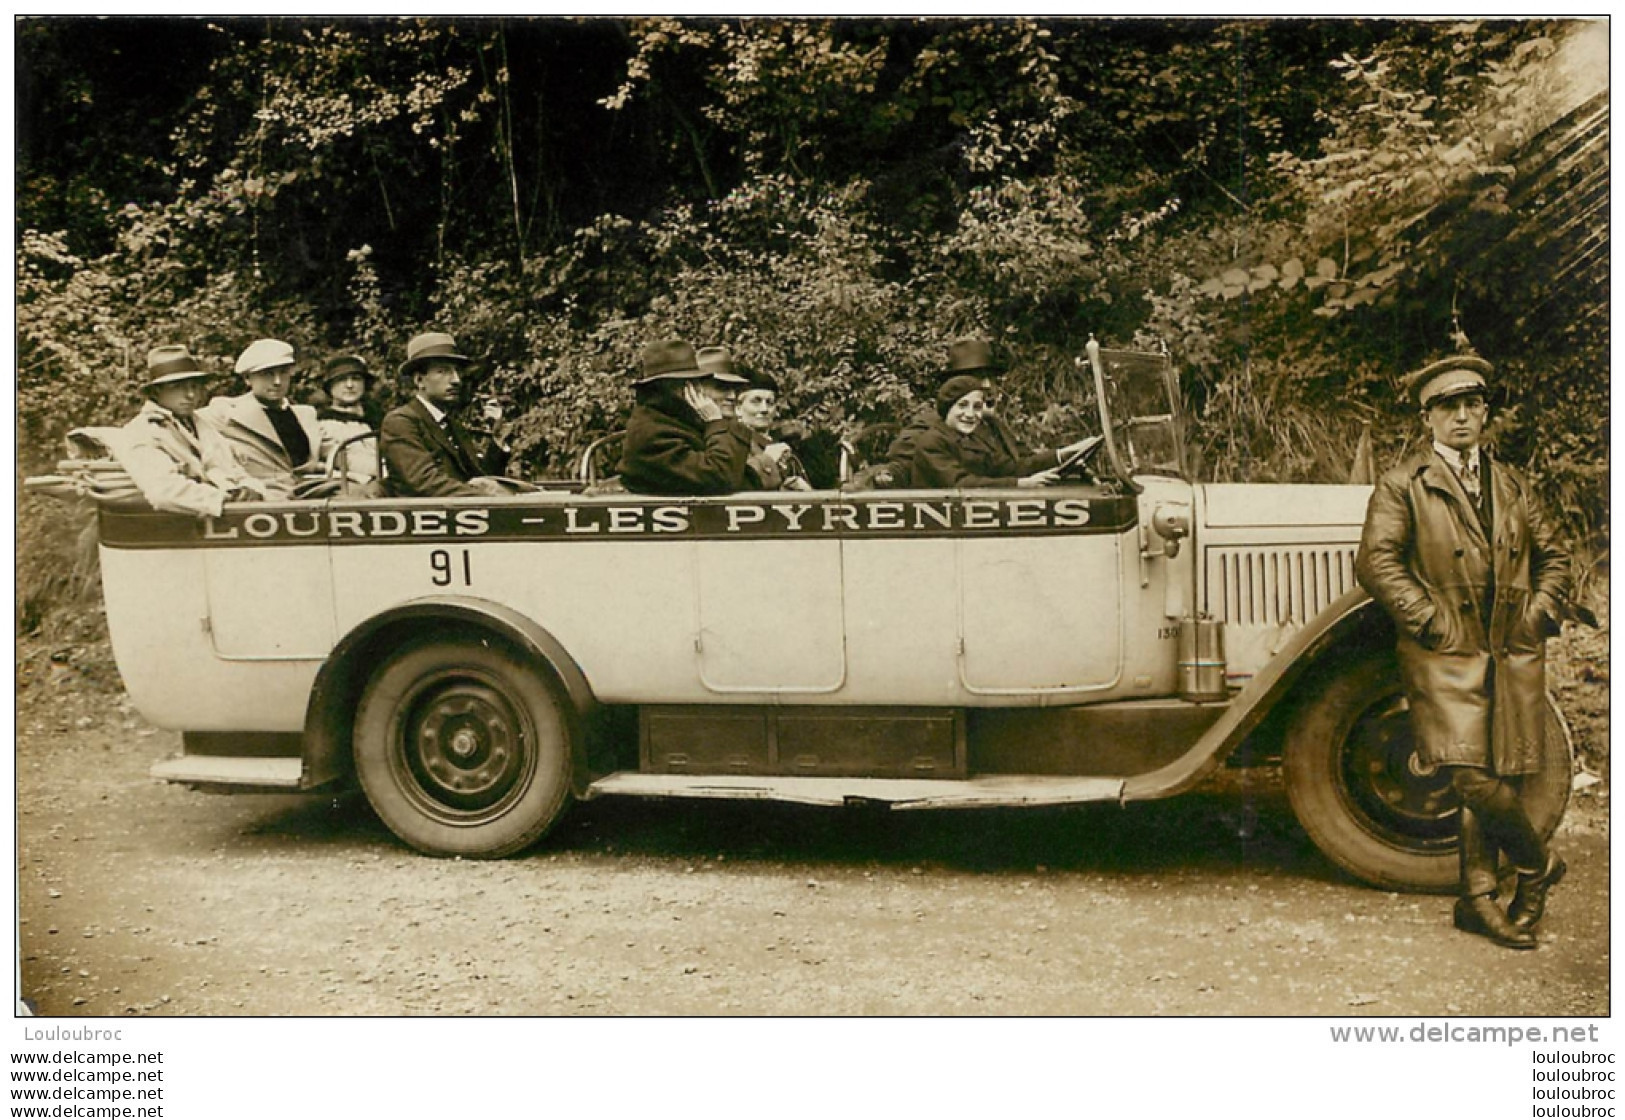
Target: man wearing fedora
177,460
681,437
993,438
349,414
1457,551
272,437
427,450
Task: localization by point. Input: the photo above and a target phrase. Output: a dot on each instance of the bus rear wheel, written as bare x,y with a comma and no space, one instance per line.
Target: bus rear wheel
463,749
1361,793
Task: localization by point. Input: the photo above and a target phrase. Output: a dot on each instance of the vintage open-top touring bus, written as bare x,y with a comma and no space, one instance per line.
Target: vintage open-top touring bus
476,663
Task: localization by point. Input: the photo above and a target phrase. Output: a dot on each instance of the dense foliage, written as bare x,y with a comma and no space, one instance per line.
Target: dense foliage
1301,210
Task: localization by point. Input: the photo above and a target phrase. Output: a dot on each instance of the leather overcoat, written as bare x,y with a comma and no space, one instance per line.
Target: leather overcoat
1477,692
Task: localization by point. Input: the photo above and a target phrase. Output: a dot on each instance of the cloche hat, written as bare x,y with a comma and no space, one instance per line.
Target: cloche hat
952,390
345,365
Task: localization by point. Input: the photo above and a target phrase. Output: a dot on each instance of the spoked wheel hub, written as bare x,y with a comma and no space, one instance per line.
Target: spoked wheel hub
463,749
1396,795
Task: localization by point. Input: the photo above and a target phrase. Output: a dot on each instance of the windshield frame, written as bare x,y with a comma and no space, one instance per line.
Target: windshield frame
1151,374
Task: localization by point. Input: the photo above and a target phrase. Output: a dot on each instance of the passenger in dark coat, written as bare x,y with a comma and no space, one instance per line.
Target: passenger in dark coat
993,437
948,454
772,464
427,450
1456,549
681,437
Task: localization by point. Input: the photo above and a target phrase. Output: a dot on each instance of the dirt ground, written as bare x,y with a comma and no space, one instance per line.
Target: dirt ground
138,898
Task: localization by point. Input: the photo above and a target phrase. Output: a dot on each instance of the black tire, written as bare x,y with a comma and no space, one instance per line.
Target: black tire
1359,792
463,749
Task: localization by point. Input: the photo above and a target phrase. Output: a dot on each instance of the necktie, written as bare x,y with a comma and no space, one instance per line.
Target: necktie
1470,480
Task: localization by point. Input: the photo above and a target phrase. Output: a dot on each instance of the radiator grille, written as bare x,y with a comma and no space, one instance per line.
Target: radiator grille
1269,586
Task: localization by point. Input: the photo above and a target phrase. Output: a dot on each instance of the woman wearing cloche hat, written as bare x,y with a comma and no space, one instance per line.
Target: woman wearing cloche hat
349,414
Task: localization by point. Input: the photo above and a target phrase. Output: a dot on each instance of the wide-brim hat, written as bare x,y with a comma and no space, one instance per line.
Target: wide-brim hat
670,359
264,355
1449,377
428,346
345,365
167,364
970,355
716,361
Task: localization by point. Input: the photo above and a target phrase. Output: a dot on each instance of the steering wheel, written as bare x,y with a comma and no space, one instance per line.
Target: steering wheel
1076,466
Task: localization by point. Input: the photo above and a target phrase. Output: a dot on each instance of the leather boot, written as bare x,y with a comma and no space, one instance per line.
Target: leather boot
1476,911
1480,858
1480,915
1530,901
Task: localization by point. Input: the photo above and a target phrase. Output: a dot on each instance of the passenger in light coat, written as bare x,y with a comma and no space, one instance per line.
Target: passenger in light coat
1457,550
272,438
348,415
180,463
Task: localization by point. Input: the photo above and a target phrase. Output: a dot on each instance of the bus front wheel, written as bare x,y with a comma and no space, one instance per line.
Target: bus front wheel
463,749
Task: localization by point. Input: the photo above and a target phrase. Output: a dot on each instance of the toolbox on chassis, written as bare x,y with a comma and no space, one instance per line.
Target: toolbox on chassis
475,664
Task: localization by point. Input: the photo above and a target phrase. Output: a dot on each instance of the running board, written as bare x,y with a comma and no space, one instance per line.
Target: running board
991,791
231,772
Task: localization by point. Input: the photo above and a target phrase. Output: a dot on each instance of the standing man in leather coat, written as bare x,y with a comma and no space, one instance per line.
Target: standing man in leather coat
1456,549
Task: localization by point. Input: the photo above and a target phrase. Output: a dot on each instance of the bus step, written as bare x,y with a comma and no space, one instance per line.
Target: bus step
230,771
989,791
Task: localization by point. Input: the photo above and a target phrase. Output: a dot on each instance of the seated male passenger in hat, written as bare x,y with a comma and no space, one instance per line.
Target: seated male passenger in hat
772,465
427,450
349,413
272,437
681,437
967,357
949,455
179,461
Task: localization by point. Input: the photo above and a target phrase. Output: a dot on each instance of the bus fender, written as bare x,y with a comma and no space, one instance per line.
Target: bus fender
1352,622
343,676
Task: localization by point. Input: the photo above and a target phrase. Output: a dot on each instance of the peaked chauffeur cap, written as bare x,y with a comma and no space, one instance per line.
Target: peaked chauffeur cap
1449,377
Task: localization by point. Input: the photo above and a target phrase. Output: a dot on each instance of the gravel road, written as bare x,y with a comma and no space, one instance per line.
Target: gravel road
138,898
